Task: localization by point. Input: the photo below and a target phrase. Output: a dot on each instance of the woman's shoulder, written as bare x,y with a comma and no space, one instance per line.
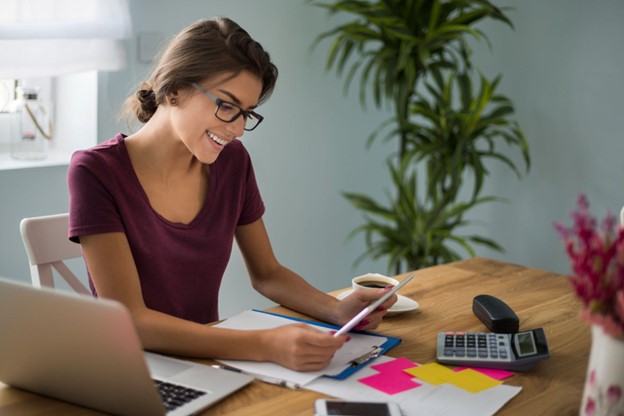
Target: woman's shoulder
236,145
234,150
110,148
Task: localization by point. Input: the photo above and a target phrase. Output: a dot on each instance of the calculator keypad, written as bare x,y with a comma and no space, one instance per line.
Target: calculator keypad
474,346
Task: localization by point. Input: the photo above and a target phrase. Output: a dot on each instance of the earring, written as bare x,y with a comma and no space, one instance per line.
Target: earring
174,101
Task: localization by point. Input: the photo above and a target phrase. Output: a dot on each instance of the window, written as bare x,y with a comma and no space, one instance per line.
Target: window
7,92
58,46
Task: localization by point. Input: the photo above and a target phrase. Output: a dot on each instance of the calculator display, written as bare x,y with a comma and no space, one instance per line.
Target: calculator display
525,344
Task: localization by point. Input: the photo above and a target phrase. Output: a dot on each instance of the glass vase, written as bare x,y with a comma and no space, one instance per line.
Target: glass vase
604,383
30,126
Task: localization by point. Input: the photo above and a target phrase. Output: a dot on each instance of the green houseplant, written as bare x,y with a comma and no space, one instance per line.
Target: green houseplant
415,56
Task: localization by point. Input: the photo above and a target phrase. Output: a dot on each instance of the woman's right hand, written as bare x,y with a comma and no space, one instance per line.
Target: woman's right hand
301,347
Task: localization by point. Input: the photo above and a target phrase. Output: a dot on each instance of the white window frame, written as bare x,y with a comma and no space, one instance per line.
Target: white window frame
71,40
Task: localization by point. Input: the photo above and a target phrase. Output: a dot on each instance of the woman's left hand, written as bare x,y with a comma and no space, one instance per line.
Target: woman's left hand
358,300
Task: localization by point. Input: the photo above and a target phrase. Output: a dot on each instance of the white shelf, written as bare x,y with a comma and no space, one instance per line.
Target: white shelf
54,158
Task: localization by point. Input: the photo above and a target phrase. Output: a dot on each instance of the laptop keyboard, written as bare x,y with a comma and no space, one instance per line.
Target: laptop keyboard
174,395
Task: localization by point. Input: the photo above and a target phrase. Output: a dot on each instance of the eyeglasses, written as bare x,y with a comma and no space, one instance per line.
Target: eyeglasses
229,112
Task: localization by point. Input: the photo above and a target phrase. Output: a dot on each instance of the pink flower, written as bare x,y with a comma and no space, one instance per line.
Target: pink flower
614,394
596,255
619,304
609,325
592,378
590,407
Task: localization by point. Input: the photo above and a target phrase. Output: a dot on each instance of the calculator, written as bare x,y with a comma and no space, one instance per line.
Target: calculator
515,352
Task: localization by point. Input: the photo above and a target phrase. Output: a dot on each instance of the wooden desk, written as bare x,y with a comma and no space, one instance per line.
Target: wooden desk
540,299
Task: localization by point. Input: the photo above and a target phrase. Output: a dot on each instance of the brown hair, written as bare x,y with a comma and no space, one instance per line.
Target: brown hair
204,49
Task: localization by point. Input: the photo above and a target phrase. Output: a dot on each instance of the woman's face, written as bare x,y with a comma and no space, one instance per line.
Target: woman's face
194,120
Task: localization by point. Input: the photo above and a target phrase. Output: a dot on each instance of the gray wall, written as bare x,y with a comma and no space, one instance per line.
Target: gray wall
561,66
26,193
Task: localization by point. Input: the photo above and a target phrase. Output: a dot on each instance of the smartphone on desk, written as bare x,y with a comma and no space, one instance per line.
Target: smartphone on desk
330,407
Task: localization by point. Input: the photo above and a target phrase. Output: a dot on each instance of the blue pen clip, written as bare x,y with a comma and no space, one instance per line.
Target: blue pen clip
373,353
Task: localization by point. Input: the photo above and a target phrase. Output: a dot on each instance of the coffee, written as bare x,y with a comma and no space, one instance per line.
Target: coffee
373,280
374,284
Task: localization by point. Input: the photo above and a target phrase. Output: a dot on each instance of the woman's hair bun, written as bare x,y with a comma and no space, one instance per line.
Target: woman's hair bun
146,96
147,103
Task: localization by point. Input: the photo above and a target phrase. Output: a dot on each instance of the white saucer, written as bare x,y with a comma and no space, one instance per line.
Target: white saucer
403,304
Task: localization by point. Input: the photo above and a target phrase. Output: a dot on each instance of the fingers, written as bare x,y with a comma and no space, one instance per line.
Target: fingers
390,301
363,298
315,349
370,295
366,296
303,348
372,321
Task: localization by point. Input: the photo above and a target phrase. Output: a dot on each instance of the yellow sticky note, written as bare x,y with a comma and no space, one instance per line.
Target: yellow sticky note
432,373
472,381
468,379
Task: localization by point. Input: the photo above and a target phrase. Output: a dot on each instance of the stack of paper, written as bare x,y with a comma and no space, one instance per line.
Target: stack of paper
358,345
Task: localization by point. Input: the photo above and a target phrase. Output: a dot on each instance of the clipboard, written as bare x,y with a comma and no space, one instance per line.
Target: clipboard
357,363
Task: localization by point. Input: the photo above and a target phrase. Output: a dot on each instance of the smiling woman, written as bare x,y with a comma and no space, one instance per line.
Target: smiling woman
168,201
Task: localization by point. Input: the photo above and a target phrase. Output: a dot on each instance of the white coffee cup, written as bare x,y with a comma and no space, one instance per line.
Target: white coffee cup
372,280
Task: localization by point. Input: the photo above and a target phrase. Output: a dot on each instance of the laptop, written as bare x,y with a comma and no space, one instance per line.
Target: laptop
86,351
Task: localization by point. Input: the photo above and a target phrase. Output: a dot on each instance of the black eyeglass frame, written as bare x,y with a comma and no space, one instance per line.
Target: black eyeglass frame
218,101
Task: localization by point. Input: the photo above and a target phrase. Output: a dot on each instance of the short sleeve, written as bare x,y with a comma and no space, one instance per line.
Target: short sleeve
92,206
253,206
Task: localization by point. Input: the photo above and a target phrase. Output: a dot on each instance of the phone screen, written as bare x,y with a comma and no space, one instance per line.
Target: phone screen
357,408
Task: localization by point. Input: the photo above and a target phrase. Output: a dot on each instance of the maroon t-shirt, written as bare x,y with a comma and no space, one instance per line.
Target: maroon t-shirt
180,265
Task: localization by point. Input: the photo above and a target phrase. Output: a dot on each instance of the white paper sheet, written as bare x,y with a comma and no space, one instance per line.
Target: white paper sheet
426,400
248,320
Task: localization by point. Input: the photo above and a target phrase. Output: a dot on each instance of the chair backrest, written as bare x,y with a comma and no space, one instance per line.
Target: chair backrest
47,246
622,217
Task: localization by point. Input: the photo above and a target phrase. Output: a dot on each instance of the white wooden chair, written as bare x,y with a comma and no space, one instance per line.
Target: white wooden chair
48,247
622,217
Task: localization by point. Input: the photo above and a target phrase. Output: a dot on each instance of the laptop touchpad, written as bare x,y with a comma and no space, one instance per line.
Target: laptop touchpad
160,366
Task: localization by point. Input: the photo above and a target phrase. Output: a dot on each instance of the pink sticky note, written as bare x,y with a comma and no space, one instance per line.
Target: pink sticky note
390,382
397,365
494,373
